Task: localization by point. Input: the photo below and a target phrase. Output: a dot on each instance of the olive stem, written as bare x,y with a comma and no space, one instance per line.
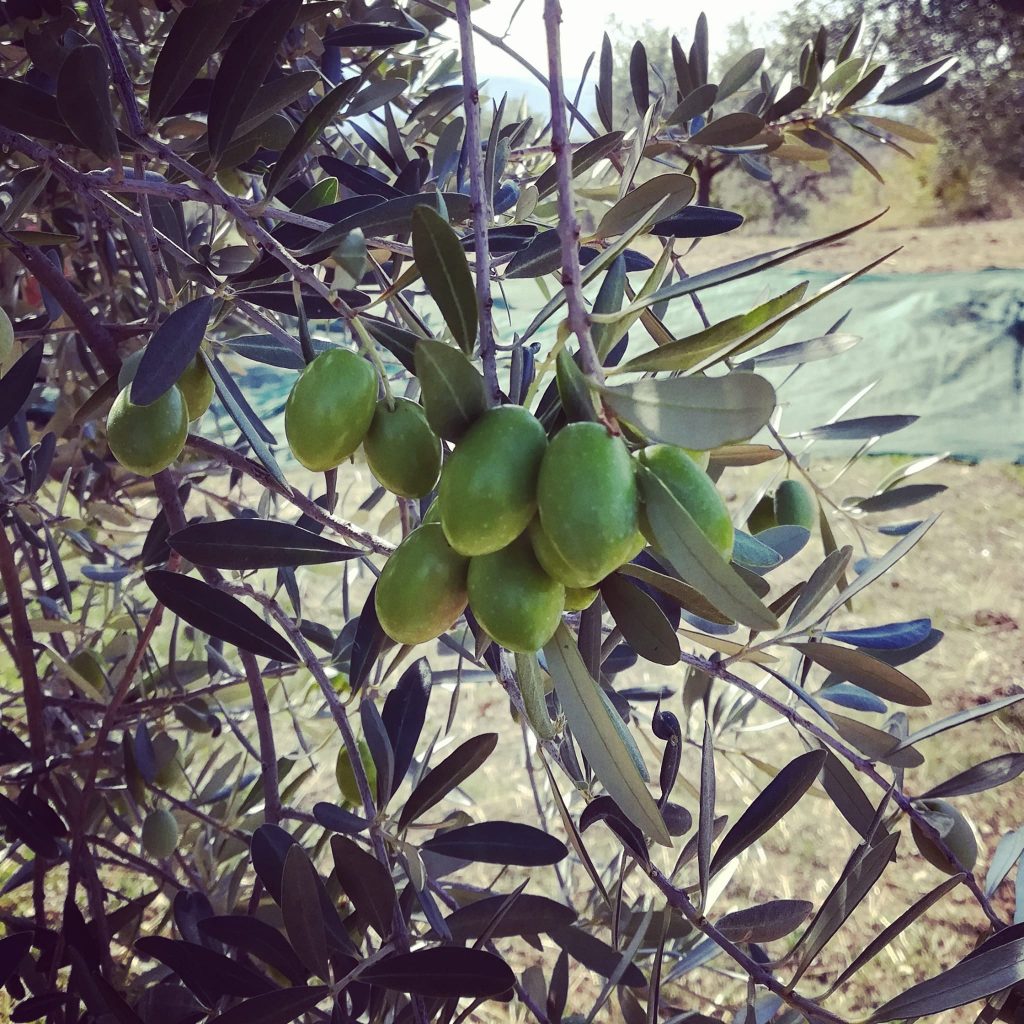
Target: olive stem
371,351
481,199
568,226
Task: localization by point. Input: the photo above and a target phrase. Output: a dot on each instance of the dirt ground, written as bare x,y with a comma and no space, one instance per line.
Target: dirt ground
977,245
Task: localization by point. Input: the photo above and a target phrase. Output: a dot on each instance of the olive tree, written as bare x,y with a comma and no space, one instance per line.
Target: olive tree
229,790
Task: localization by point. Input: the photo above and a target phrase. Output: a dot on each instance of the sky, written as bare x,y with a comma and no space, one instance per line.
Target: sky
585,21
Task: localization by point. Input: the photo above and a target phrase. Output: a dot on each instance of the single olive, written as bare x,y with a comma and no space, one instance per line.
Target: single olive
762,517
330,408
148,438
513,598
160,833
551,560
488,490
422,589
959,837
694,490
347,778
197,386
403,453
587,501
578,599
795,505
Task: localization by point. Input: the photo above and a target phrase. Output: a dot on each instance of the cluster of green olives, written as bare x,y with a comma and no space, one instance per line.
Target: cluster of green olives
524,529
148,438
332,409
792,504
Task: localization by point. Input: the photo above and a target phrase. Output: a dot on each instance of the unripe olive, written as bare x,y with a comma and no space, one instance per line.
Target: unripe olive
403,453
513,598
422,589
694,490
160,833
330,408
578,599
763,516
960,838
551,560
488,490
346,777
587,501
795,505
197,386
148,438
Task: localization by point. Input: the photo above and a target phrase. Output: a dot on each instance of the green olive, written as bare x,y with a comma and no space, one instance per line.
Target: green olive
330,408
422,589
148,438
551,560
587,501
488,490
795,505
694,490
347,778
763,515
578,599
959,838
403,453
160,834
513,598
197,386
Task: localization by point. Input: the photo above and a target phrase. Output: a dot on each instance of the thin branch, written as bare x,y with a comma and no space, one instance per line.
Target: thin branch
24,647
759,974
481,198
568,226
863,765
97,337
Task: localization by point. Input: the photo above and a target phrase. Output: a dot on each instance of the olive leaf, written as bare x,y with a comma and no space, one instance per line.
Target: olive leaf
442,264
83,98
592,726
454,393
695,412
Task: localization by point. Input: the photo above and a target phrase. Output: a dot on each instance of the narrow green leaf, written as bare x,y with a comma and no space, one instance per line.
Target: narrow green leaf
243,68
694,557
445,271
728,130
744,268
688,352
740,73
454,393
644,198
900,925
598,738
300,909
641,621
873,675
975,977
695,412
83,98
312,125
192,40
582,159
960,718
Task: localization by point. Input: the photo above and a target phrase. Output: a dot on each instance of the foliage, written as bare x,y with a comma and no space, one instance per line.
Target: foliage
241,192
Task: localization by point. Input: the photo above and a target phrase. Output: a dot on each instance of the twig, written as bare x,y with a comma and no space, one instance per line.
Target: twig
23,644
96,336
864,766
759,974
481,198
236,460
568,226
